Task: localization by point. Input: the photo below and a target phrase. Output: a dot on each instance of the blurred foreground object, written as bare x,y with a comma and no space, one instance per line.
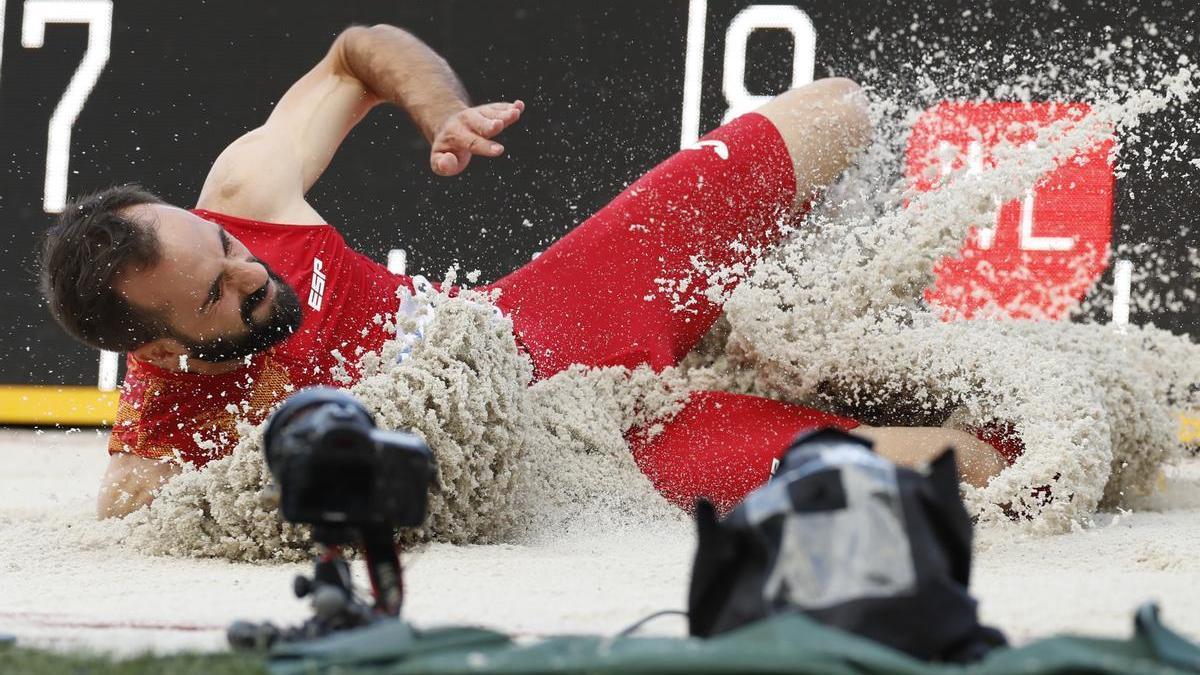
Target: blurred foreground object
853,541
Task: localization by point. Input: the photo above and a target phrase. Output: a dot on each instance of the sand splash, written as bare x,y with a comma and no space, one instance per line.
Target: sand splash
835,319
516,461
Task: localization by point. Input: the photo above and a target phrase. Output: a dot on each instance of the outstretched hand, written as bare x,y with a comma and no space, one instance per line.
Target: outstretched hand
470,132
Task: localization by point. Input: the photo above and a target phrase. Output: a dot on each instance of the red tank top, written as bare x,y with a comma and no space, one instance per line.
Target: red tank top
344,297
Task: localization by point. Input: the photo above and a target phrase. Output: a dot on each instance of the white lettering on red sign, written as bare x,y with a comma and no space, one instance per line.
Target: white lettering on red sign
1044,251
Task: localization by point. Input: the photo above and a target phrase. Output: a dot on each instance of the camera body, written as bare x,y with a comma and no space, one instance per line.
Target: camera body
335,469
354,484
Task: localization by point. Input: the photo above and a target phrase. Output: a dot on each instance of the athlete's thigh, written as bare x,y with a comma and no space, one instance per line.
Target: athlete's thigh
639,282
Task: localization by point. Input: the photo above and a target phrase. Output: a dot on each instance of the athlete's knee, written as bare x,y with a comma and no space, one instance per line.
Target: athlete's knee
823,124
831,92
827,87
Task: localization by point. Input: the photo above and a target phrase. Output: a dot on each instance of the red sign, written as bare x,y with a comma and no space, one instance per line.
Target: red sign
1044,251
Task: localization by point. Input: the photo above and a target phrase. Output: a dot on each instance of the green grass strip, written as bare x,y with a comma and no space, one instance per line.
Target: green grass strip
36,662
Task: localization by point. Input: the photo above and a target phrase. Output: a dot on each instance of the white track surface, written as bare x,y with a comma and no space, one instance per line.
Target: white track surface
57,592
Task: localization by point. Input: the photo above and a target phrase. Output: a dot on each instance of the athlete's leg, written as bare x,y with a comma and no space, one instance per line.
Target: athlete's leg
822,124
978,460
627,287
721,446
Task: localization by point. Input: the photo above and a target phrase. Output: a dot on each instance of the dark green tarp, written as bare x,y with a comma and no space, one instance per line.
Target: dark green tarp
783,644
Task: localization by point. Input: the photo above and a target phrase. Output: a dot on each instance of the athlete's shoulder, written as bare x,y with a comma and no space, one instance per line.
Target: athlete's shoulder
234,220
153,392
193,417
152,404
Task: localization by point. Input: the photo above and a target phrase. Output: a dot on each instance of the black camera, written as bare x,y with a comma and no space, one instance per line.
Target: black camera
332,467
354,484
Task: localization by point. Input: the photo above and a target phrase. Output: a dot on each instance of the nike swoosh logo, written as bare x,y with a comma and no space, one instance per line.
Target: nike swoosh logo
719,147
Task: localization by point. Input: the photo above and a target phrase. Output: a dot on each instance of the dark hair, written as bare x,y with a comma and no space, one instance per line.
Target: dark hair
82,254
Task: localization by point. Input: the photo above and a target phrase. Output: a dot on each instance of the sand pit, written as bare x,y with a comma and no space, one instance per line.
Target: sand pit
107,595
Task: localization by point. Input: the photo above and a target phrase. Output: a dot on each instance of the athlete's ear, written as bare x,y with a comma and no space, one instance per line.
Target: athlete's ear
163,352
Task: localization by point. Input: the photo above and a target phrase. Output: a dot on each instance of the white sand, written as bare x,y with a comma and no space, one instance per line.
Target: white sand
55,592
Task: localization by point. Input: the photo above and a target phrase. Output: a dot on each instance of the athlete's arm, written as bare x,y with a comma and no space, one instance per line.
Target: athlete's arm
130,482
977,461
265,174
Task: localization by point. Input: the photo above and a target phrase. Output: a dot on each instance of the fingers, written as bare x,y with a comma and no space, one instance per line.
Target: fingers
476,133
462,137
442,163
489,120
469,133
507,113
483,125
485,148
519,106
445,164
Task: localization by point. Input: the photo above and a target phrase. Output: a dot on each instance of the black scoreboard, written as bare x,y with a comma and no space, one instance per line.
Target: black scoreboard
99,92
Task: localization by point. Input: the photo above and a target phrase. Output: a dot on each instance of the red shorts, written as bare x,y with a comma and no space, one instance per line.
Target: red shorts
721,446
624,288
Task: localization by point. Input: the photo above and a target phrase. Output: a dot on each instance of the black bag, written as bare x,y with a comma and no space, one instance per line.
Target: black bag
851,540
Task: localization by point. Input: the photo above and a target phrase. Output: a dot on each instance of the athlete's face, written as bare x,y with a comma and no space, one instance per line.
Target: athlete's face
220,302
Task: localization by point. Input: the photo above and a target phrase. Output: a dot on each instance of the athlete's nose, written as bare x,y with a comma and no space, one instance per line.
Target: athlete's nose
247,276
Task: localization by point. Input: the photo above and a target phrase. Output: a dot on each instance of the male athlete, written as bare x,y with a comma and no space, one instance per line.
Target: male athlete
227,308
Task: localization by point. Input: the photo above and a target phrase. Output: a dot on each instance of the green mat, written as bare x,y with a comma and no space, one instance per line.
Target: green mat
783,644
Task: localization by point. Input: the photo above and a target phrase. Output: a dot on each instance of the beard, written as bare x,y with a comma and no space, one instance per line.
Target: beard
284,319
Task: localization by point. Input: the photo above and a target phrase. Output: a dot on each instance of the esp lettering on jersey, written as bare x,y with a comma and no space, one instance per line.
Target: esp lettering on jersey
316,292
